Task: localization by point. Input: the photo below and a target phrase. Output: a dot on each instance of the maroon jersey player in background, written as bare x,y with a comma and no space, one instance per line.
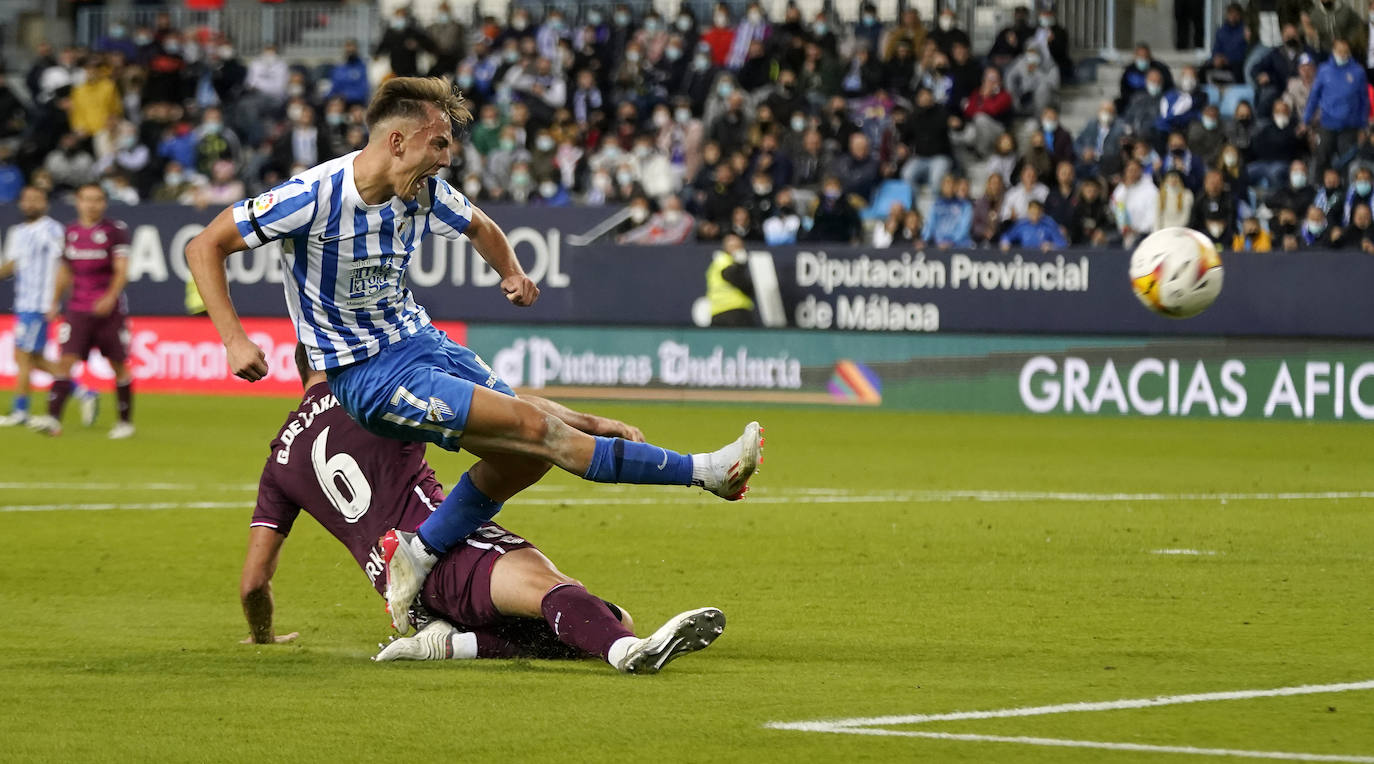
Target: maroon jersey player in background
94,267
493,596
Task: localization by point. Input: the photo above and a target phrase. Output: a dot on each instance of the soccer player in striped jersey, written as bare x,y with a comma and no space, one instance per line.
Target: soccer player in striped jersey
348,229
35,248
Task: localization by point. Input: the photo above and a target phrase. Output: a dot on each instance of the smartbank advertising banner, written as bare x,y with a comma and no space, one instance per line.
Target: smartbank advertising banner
1099,376
1042,375
185,355
1306,294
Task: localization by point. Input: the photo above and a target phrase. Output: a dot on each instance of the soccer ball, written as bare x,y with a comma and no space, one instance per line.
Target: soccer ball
1176,272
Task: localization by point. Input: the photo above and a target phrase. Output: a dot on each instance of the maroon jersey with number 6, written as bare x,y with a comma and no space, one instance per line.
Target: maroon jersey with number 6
355,484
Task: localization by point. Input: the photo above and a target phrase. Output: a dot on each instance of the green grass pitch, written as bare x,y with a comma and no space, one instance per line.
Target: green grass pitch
857,579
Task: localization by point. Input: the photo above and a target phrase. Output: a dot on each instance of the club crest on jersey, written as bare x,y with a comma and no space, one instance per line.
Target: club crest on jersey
264,203
99,237
438,411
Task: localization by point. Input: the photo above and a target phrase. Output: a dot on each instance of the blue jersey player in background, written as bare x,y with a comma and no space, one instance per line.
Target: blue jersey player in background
348,229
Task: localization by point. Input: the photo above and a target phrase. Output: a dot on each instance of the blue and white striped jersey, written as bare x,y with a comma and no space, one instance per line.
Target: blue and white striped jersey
36,249
345,261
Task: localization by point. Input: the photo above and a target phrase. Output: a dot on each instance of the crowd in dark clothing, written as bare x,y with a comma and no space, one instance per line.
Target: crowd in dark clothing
777,130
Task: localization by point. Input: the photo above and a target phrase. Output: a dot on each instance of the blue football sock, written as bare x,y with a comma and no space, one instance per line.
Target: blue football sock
21,404
464,510
616,460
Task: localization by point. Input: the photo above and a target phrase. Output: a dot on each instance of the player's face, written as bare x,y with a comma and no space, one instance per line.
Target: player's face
426,151
90,203
33,203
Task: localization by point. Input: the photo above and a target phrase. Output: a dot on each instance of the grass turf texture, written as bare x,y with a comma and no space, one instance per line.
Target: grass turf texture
121,627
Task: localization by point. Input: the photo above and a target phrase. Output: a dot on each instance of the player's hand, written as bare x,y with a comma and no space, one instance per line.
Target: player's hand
520,290
104,306
280,639
614,428
247,360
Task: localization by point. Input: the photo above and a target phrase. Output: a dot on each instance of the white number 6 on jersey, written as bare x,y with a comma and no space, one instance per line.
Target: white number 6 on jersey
341,479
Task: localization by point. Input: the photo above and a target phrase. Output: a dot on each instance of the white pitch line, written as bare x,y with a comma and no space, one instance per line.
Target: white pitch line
1066,708
116,506
1185,552
873,725
130,486
667,495
1109,746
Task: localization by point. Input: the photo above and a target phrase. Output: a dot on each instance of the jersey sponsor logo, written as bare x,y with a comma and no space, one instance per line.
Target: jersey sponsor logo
367,280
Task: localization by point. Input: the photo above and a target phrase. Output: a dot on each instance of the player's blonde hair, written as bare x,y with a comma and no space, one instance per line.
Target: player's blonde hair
406,97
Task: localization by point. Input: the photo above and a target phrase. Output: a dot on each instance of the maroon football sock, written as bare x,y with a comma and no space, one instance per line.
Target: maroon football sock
57,397
124,393
580,619
490,645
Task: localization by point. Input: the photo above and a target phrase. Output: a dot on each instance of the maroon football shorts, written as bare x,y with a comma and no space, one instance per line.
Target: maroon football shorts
459,587
84,332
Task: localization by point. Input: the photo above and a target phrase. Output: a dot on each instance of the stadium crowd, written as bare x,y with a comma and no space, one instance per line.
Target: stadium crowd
783,130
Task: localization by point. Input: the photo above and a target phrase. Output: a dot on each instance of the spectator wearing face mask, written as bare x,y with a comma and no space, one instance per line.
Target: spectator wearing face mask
858,167
348,78
1143,111
1340,95
1251,237
783,226
670,225
835,218
402,43
1361,192
947,32
753,28
1213,202
1275,68
1315,232
1053,39
1292,200
720,36
1183,105
1181,158
1231,164
176,184
1033,82
1134,77
1299,89
1274,147
1205,136
1101,137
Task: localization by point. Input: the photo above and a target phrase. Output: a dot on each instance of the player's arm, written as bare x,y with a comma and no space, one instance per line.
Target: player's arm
205,254
61,283
588,423
6,269
255,585
120,279
491,243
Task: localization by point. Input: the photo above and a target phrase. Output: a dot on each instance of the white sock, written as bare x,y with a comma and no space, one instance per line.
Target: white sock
464,646
701,469
616,655
420,551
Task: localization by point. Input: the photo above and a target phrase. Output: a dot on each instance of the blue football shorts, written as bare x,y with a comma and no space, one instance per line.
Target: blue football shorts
418,389
30,332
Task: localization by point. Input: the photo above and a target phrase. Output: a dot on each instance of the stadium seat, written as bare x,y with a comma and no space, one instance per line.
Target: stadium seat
1231,98
888,191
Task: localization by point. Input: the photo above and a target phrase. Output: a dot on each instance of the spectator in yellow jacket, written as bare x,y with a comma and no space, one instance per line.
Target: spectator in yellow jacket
94,101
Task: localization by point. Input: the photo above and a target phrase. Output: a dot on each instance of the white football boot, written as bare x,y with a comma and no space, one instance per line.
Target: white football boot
14,419
726,472
433,643
407,565
46,425
683,633
122,430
